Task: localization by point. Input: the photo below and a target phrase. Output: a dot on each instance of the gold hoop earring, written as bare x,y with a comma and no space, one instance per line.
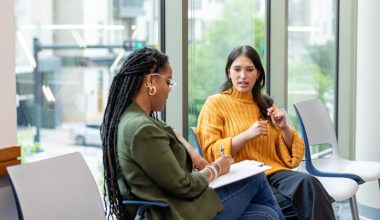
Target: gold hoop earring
152,90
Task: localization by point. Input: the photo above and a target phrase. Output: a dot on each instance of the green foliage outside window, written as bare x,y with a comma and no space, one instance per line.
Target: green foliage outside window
237,25
25,138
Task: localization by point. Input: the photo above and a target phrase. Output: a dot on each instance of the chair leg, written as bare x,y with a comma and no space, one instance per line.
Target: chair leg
379,182
354,208
140,212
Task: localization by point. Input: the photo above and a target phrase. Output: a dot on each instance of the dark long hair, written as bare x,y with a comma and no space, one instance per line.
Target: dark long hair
263,101
124,87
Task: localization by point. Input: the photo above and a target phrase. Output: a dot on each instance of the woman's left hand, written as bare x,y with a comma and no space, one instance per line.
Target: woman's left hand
199,162
278,117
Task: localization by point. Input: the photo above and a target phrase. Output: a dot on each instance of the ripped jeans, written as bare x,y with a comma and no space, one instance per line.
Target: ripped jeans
250,198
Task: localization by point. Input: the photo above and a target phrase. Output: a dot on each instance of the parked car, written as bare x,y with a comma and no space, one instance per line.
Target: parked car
87,134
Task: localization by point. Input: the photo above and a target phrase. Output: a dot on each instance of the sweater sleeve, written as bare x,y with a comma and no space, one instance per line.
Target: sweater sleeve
293,157
210,131
154,155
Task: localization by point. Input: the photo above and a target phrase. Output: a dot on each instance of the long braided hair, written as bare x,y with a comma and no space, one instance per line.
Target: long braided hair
263,101
124,87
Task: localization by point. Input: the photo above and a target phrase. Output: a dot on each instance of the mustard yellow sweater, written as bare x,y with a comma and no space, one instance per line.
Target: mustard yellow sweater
226,115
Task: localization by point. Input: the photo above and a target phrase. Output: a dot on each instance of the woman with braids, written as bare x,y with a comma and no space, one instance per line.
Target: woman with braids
249,126
144,158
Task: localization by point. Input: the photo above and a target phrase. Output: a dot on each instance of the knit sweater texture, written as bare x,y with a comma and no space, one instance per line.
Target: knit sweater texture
228,114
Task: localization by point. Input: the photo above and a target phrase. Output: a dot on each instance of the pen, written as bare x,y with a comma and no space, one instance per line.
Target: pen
221,150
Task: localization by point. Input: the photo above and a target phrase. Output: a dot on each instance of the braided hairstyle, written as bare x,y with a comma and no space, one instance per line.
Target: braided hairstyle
124,87
263,101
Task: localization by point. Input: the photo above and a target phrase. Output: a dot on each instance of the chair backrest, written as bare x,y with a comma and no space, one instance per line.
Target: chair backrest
56,188
317,128
316,125
198,146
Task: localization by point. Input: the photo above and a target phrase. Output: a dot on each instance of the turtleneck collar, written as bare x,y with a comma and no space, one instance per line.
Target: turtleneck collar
246,97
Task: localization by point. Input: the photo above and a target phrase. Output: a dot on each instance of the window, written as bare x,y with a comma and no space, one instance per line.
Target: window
312,54
215,28
66,55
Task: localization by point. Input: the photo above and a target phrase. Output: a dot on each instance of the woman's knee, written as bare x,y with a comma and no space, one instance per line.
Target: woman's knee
310,180
257,177
310,185
256,211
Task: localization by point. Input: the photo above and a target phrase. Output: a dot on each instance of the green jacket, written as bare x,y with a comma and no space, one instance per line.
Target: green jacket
157,167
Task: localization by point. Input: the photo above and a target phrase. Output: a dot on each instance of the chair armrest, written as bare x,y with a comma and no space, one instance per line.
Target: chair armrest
315,172
143,204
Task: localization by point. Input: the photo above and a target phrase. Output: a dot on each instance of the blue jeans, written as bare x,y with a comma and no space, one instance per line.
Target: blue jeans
250,198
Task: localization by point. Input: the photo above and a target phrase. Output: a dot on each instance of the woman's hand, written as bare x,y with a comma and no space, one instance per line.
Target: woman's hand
258,129
223,163
217,168
199,162
278,117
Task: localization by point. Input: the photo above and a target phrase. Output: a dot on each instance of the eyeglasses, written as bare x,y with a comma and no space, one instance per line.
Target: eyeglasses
171,83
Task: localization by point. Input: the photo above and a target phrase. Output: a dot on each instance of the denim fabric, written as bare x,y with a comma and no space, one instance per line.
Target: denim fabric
250,198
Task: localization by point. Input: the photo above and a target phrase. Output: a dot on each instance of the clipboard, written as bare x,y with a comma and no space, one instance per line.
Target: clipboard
239,171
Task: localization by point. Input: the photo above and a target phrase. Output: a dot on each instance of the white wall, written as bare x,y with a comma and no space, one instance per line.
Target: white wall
368,94
7,75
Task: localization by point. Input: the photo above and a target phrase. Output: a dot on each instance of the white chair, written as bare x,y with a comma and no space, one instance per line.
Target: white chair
317,128
62,188
56,188
9,155
339,188
8,208
333,185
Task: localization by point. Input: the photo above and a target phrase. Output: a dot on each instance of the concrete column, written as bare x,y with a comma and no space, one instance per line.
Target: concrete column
176,48
368,96
279,53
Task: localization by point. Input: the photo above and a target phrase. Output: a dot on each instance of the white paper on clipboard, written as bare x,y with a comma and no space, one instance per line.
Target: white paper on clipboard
239,171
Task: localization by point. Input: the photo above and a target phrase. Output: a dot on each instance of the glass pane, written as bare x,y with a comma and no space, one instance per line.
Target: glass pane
320,150
66,55
312,51
215,28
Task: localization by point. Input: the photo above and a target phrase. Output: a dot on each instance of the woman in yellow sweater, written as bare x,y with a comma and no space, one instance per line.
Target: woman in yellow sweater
247,125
